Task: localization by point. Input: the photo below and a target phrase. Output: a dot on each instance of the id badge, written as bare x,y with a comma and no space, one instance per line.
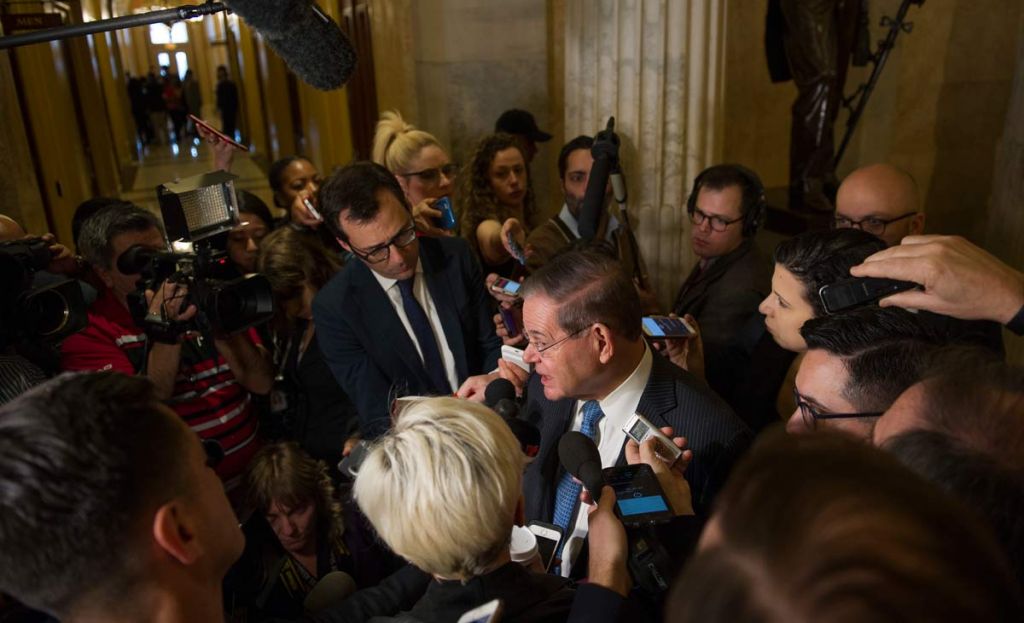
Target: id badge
278,401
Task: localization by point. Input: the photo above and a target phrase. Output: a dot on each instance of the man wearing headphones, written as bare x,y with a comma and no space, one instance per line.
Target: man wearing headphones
731,276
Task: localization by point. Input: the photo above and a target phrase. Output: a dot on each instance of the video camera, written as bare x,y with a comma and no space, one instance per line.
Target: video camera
48,312
194,210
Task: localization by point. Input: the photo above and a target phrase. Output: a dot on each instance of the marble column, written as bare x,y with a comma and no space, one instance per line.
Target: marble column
1004,233
658,68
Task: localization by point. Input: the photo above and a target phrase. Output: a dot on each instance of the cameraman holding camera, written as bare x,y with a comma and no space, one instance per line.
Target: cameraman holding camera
207,382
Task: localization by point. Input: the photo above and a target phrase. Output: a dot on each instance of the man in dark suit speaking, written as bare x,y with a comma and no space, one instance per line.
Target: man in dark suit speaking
411,316
593,370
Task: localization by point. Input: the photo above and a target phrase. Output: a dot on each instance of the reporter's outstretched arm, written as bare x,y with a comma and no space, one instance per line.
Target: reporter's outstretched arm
608,581
958,278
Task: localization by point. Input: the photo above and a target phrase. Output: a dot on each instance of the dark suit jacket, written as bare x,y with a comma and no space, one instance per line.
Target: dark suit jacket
672,397
724,299
368,349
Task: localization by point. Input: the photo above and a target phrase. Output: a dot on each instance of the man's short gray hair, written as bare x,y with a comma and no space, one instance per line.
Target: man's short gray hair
95,243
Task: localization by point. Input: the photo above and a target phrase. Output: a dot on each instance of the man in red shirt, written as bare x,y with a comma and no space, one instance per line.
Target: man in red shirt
206,382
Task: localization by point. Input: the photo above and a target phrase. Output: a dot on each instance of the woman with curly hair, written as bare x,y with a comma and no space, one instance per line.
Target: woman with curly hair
496,202
421,166
299,531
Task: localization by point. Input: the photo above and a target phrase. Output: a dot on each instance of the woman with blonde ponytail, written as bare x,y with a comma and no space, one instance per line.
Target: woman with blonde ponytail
421,166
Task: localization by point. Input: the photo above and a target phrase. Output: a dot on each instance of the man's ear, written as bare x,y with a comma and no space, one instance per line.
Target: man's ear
175,533
344,245
917,224
605,343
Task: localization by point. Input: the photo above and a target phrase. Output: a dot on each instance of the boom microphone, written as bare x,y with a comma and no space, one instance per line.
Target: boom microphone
306,39
580,457
606,158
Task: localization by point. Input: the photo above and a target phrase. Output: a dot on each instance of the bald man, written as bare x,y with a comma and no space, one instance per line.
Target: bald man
9,229
882,200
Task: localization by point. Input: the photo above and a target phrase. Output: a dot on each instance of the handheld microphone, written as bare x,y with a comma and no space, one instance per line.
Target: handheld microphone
580,457
306,39
500,396
331,590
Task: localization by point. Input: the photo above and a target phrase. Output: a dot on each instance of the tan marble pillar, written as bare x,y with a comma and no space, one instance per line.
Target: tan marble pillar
658,68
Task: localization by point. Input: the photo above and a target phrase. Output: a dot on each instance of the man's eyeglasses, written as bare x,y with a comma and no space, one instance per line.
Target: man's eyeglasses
872,224
697,217
811,415
543,348
382,252
433,175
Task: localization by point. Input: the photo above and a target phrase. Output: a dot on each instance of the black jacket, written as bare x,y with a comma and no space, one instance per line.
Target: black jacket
368,349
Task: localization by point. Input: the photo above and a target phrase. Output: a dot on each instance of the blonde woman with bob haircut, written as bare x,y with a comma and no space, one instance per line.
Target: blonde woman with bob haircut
419,163
443,489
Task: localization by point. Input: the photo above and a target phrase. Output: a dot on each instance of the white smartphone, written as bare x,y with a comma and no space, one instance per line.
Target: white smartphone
490,612
514,355
639,429
309,206
548,538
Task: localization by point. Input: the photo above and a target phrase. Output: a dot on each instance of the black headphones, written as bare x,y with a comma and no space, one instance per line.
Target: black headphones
753,215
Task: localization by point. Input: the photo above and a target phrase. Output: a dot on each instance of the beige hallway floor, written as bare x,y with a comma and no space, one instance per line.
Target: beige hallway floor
164,163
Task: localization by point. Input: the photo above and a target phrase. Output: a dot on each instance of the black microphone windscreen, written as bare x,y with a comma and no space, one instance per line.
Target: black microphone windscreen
306,39
331,590
594,198
527,434
499,389
580,457
507,408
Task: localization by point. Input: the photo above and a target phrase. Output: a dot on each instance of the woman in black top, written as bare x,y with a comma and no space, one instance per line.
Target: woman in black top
315,411
300,530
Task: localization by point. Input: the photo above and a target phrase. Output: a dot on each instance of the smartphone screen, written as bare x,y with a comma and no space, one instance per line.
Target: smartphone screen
663,326
506,286
638,495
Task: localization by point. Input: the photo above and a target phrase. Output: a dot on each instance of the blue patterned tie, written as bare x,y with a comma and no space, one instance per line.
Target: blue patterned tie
568,492
425,336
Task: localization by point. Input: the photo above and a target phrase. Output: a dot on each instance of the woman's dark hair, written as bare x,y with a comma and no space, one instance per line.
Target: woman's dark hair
820,258
289,258
823,527
284,473
251,204
477,201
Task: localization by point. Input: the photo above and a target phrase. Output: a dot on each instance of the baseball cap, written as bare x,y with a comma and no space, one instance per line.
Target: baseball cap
517,121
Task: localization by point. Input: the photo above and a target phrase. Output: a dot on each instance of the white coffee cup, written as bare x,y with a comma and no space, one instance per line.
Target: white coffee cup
523,548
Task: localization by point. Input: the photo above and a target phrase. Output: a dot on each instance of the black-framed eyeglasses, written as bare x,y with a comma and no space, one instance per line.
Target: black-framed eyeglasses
811,415
872,224
382,252
543,348
698,216
433,174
